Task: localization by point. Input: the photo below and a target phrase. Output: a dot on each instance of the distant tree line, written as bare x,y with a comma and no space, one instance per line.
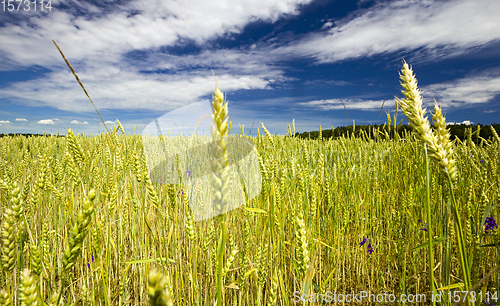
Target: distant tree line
479,132
28,135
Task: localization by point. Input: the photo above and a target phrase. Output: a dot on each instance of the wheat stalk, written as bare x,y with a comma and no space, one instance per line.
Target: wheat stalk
440,150
220,180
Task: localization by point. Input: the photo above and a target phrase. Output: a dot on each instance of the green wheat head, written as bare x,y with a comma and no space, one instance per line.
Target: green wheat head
220,161
27,289
440,148
159,289
78,232
9,245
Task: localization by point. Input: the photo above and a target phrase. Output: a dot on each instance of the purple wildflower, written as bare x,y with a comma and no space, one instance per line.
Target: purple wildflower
490,224
363,242
179,192
370,249
88,265
488,303
189,173
92,258
483,163
425,228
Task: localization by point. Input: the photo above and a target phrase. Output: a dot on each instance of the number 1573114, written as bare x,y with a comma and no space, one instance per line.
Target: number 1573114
26,5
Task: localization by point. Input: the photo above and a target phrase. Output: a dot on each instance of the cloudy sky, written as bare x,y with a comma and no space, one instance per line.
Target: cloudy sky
276,60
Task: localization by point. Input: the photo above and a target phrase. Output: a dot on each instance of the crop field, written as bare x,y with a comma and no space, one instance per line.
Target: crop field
84,222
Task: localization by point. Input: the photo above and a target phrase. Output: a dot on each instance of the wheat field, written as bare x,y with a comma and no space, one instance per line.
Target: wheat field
84,224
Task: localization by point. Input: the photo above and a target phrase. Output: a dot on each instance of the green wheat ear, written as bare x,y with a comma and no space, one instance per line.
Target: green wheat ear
78,232
75,148
5,298
9,246
439,145
219,161
159,289
27,289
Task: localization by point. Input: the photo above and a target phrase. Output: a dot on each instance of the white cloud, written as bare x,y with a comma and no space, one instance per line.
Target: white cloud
466,122
326,25
21,119
46,122
440,27
78,122
110,35
467,91
4,122
98,49
127,90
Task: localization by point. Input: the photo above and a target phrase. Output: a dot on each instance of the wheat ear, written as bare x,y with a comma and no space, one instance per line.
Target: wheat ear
449,163
220,159
75,148
9,240
302,251
5,298
412,108
78,232
159,289
27,288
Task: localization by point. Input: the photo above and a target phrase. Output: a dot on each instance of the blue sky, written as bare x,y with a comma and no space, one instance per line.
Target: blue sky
276,60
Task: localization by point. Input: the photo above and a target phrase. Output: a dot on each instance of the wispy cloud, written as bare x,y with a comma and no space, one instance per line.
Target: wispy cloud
489,111
464,92
441,28
5,122
125,90
114,32
327,83
336,104
468,91
101,49
122,55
